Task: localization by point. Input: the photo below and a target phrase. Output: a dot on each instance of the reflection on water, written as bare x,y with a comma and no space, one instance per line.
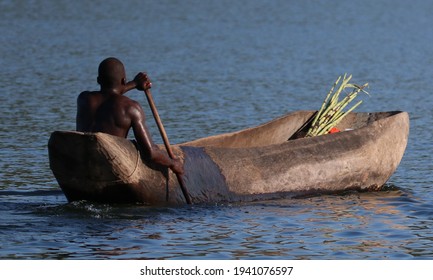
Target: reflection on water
366,225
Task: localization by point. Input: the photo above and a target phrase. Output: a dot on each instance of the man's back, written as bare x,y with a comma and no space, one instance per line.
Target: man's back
109,113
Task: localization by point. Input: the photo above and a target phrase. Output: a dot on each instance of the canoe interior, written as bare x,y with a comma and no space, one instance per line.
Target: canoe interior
282,129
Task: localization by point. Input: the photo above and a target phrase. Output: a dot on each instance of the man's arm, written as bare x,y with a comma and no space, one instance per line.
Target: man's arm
130,85
149,149
83,112
140,82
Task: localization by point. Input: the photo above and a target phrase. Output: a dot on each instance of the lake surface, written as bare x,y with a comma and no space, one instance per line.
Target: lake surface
216,66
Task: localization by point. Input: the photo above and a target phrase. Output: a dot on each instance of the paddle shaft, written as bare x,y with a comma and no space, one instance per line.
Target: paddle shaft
166,142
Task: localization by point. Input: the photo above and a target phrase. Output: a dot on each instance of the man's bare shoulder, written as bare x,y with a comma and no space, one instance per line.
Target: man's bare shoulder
125,100
87,94
132,107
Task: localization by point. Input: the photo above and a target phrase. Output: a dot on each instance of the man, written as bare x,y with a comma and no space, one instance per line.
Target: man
109,111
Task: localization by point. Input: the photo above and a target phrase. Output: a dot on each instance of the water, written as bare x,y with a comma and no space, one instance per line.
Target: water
216,66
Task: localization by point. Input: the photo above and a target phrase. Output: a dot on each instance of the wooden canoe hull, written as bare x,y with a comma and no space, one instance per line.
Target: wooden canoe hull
251,164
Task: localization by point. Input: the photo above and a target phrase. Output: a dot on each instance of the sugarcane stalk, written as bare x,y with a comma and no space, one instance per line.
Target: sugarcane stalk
337,120
332,110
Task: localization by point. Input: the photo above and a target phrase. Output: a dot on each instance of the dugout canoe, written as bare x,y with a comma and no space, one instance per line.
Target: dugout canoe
252,164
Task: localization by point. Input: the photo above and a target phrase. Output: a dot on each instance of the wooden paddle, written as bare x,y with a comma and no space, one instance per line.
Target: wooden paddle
166,142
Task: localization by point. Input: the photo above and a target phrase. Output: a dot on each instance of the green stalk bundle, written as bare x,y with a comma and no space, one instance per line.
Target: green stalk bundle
332,110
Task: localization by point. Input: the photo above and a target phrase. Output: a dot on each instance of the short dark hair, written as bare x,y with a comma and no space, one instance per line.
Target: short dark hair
111,72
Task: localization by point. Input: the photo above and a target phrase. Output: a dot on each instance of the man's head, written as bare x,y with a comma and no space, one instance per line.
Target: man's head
111,73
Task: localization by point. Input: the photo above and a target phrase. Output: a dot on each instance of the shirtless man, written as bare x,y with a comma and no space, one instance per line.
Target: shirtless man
109,111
